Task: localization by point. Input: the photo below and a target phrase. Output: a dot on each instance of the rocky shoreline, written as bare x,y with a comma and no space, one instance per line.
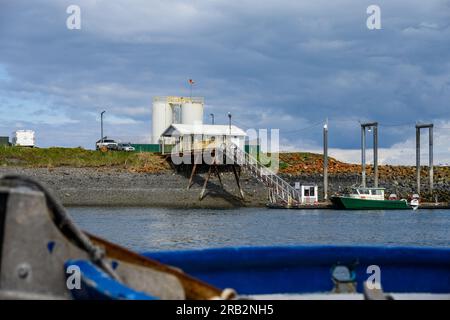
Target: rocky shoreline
117,187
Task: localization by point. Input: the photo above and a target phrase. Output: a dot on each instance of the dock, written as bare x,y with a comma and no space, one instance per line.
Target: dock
320,205
329,206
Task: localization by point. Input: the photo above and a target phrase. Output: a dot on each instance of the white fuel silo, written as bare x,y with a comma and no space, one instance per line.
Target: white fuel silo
162,118
192,112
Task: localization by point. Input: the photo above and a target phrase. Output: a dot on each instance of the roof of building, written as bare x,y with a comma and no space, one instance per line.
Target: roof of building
178,129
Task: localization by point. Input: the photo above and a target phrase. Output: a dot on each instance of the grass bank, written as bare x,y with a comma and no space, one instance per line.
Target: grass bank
81,158
294,163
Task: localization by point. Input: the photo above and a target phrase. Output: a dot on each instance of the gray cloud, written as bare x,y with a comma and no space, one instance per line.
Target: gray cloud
278,64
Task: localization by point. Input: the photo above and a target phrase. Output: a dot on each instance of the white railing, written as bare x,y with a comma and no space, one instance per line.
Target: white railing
279,189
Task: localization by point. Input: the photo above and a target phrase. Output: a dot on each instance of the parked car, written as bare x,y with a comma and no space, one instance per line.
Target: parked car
125,147
108,143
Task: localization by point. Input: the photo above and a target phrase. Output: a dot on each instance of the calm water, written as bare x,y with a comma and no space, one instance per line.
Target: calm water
167,229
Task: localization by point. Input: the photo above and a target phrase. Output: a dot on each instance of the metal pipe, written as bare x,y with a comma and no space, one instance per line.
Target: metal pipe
375,154
325,161
370,126
212,117
101,125
430,137
418,159
430,154
363,155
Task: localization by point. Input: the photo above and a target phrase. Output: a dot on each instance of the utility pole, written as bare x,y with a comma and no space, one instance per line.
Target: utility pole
325,160
374,126
101,125
430,154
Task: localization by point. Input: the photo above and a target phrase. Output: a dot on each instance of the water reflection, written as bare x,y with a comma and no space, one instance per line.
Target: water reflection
166,229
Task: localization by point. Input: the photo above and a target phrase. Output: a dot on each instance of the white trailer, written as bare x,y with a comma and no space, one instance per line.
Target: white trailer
23,138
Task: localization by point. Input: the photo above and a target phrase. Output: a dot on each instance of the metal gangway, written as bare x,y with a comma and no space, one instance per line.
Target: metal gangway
280,191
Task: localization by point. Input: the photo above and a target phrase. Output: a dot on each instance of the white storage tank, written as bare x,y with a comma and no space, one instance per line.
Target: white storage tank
192,113
23,138
161,118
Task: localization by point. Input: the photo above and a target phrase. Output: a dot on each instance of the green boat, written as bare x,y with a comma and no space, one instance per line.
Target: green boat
368,199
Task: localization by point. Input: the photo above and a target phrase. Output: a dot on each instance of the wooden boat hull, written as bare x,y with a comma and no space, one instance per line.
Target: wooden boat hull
349,203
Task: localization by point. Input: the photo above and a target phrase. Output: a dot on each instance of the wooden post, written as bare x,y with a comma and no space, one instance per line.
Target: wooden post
271,196
205,183
237,181
192,176
193,170
218,175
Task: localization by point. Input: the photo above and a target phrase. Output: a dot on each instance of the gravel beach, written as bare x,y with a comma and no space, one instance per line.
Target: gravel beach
116,187
108,187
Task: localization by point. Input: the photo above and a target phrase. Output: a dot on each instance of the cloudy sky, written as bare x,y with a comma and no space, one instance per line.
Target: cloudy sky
272,64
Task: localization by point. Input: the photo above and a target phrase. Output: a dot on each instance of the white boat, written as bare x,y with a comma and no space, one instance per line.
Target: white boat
415,201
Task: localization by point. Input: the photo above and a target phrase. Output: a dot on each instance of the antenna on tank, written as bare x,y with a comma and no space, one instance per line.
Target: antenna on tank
191,83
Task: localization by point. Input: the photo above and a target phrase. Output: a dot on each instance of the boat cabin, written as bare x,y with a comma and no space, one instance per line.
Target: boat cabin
368,193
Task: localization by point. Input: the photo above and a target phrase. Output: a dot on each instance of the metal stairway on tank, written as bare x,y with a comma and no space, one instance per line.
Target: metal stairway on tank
280,191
